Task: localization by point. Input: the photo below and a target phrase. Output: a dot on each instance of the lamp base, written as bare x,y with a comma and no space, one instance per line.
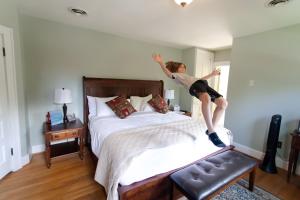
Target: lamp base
65,114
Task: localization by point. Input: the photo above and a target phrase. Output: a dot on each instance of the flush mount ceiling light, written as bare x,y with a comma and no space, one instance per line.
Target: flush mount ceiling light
78,12
183,3
274,3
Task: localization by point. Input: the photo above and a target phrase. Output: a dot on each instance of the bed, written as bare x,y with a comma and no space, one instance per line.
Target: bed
152,182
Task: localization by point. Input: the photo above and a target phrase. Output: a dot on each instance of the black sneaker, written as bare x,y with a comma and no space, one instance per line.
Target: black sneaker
214,138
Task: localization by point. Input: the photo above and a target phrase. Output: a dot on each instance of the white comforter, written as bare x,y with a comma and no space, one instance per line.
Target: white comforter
152,161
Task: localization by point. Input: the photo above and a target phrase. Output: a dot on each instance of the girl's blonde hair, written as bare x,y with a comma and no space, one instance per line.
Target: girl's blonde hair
173,66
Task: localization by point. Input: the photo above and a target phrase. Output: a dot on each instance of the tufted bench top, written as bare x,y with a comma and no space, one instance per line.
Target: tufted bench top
205,177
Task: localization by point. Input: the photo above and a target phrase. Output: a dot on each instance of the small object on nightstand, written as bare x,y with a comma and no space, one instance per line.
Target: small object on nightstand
169,94
48,121
71,117
73,130
176,108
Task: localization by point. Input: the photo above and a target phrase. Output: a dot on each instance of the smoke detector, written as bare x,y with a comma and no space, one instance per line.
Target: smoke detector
274,3
78,12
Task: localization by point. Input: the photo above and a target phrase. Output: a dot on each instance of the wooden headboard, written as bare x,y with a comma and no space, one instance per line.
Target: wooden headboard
104,87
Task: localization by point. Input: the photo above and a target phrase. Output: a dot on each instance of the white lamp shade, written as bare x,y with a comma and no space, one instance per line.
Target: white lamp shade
169,94
62,96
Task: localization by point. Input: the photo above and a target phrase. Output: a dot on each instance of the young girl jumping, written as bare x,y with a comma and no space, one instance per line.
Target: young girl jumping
200,89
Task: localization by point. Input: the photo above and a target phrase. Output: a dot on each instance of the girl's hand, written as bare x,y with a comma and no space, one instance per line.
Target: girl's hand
157,58
216,72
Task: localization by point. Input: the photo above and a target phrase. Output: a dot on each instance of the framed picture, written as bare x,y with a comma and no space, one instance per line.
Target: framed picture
56,117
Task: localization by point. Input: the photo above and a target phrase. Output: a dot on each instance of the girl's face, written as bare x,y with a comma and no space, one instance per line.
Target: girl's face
181,69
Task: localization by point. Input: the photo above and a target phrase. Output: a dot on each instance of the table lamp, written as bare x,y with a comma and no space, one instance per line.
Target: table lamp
169,94
63,96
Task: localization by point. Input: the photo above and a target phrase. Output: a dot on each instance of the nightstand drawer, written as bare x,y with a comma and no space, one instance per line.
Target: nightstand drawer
72,134
64,135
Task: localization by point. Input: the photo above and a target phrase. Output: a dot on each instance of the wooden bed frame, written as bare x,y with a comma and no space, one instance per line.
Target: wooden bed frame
158,187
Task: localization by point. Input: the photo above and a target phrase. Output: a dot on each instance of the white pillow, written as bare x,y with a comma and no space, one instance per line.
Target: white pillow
103,109
92,106
148,108
139,103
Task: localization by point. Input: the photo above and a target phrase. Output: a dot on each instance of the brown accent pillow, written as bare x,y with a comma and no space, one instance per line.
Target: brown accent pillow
159,104
121,107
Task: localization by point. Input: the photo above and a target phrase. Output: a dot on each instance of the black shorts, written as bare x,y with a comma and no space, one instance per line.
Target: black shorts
201,86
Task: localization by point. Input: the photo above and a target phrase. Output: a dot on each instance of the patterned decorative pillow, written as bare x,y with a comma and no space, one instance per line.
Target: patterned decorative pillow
121,107
159,104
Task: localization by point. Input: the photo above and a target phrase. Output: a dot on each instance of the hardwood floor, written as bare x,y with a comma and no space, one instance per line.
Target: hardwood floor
70,178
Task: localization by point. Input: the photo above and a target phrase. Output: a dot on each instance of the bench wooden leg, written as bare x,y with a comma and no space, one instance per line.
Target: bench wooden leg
175,193
252,179
172,191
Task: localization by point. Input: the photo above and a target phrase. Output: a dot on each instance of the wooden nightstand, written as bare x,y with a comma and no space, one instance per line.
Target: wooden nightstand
187,113
183,112
295,148
61,132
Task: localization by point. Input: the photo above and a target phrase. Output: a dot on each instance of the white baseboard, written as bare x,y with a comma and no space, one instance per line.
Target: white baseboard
25,160
38,148
41,148
260,155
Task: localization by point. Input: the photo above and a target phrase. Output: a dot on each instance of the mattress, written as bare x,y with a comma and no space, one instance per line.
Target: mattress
153,161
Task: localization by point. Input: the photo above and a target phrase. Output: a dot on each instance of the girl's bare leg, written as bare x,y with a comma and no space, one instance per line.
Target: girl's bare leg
205,99
212,135
219,111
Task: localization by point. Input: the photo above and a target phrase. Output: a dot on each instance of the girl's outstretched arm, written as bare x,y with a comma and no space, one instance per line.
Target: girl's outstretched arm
216,72
157,58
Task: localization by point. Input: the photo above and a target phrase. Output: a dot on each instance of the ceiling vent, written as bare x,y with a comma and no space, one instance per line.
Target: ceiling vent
274,3
78,12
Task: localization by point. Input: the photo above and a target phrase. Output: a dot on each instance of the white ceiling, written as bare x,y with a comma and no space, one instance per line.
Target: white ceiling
210,24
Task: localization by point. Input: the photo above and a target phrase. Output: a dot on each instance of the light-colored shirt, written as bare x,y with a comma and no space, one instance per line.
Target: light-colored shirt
184,79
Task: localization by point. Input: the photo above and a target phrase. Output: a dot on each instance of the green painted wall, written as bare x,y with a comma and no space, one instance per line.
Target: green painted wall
9,18
189,59
222,55
272,60
58,55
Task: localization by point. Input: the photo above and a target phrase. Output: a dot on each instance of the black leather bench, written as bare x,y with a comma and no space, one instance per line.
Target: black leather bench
206,177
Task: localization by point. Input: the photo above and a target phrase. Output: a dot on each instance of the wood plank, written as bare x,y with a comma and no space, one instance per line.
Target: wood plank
70,178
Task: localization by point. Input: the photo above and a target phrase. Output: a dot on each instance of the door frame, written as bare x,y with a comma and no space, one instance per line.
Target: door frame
216,86
13,108
216,64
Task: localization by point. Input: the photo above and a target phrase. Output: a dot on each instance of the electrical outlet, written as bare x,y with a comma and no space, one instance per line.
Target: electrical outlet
279,144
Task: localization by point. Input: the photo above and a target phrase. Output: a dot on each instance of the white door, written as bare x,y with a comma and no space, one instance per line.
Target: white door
204,66
5,157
